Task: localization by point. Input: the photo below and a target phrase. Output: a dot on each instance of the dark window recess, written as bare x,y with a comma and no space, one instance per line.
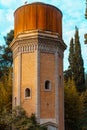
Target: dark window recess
47,85
15,101
27,92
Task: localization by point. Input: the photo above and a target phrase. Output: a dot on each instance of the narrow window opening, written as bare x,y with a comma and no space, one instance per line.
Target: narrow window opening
27,92
60,80
47,85
15,101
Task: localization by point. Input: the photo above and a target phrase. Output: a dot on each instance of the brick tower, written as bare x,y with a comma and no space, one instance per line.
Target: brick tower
38,63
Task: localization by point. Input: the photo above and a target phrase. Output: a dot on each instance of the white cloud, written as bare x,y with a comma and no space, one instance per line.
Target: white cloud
6,3
9,15
1,15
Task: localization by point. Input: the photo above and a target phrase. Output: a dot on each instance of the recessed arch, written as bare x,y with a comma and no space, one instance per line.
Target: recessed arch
27,92
47,85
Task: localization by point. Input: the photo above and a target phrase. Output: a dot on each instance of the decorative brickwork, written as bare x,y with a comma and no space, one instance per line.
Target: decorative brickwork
44,42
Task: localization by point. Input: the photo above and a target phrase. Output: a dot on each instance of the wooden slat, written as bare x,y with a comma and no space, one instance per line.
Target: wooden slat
37,16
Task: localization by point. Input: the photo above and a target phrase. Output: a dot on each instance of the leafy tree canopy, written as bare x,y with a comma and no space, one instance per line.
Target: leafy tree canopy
18,120
73,106
6,54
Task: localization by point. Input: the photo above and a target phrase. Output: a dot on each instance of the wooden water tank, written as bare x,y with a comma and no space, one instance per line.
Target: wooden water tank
37,16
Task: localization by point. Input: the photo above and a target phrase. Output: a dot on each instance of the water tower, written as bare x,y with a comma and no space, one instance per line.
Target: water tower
38,51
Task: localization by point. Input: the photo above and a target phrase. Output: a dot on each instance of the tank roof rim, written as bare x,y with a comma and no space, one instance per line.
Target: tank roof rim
42,3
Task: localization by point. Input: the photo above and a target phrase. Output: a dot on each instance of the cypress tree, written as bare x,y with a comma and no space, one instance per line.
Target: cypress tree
68,72
71,54
76,62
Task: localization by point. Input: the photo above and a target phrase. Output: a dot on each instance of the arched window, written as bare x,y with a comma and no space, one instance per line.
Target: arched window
47,85
27,92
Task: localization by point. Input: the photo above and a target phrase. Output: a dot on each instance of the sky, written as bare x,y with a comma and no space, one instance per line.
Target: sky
73,15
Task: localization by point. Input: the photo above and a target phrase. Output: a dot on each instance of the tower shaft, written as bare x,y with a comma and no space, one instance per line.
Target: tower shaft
38,64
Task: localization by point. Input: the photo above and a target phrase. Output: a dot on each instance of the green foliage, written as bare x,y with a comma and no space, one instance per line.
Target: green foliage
6,82
85,36
67,75
86,79
76,62
18,120
5,120
83,122
86,11
22,122
6,91
6,54
73,106
71,53
8,39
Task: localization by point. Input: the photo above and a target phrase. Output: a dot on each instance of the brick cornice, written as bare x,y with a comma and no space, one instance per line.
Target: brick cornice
43,41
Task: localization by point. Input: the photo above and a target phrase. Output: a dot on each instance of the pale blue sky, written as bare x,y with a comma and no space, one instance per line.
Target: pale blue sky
73,15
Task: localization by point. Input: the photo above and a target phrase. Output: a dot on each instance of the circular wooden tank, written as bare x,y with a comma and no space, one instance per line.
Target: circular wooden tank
37,16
